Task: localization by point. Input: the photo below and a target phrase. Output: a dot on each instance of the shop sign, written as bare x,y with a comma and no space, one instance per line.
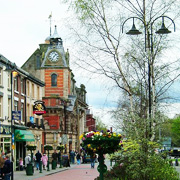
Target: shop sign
13,146
39,108
5,129
16,115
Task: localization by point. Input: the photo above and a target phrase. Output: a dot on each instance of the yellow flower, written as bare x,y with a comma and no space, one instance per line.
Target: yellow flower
81,136
97,133
89,145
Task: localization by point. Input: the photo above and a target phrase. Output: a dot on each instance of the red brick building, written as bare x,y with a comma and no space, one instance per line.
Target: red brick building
65,117
90,121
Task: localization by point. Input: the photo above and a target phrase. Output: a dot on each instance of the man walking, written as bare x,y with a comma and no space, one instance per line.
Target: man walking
7,169
38,159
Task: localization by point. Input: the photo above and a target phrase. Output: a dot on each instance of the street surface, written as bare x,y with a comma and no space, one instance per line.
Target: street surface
78,172
75,172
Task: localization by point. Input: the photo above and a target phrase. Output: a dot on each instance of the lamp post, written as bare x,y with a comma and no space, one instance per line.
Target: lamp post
65,104
11,68
149,45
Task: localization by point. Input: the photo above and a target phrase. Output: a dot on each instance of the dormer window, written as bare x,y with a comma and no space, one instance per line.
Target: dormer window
54,80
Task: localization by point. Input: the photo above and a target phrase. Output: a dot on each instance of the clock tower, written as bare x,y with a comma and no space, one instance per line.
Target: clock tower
65,103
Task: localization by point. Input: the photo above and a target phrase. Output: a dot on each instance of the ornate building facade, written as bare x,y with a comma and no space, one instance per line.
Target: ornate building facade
65,117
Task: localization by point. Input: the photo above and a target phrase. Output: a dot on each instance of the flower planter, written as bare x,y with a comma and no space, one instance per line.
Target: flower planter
48,147
101,143
61,147
31,147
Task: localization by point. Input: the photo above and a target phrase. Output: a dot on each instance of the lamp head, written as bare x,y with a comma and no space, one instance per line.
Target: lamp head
133,31
163,30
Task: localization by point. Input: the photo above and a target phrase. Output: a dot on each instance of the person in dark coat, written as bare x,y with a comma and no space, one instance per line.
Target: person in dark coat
55,156
7,169
38,156
72,155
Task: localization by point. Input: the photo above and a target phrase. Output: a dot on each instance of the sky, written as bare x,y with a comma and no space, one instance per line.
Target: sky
25,25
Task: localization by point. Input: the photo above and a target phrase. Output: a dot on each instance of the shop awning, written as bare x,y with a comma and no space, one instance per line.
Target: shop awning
22,135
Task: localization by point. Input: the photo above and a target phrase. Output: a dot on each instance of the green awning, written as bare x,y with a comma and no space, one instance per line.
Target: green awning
22,135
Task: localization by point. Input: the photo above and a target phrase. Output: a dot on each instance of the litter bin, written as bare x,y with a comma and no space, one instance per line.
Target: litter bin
29,169
65,161
54,164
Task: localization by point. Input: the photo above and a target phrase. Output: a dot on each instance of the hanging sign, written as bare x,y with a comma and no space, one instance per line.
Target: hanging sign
39,108
16,115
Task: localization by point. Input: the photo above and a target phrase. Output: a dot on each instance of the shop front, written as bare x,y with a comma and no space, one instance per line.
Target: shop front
21,137
5,139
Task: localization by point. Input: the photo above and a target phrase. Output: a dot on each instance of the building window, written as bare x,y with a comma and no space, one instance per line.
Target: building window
16,83
22,112
1,73
1,105
38,95
28,109
38,62
37,122
22,85
15,105
28,88
33,90
9,108
54,80
5,145
9,80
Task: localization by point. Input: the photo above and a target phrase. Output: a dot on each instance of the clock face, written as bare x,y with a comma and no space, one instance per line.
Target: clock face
53,56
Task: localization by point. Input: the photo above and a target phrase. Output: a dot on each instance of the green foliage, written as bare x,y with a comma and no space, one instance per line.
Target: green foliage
100,126
139,161
175,131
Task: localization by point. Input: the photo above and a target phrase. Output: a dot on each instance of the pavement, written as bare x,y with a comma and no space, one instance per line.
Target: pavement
21,175
75,172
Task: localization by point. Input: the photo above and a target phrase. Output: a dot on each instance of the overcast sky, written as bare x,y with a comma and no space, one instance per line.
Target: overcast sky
24,24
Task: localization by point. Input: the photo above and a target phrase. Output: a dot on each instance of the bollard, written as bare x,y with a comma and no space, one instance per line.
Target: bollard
176,162
29,169
54,164
60,163
40,167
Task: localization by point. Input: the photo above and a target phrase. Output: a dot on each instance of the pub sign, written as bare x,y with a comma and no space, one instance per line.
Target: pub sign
39,108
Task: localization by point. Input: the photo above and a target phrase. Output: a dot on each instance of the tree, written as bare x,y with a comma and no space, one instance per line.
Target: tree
105,51
175,131
100,126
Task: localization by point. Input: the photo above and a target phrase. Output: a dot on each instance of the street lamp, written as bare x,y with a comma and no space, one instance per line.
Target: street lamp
65,104
11,69
148,37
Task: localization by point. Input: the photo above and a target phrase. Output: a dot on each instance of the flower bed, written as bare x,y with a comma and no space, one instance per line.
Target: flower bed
48,147
100,142
31,147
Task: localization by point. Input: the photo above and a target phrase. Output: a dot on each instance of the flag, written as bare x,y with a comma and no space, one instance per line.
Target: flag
50,16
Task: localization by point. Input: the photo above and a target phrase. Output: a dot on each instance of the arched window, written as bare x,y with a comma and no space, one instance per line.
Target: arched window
54,80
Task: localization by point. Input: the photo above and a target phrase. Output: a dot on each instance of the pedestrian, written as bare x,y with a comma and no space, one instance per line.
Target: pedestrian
7,169
78,157
59,157
21,164
72,155
93,157
83,156
1,165
27,160
38,159
44,161
55,156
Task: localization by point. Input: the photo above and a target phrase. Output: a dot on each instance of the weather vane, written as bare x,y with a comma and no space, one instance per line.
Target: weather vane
50,20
